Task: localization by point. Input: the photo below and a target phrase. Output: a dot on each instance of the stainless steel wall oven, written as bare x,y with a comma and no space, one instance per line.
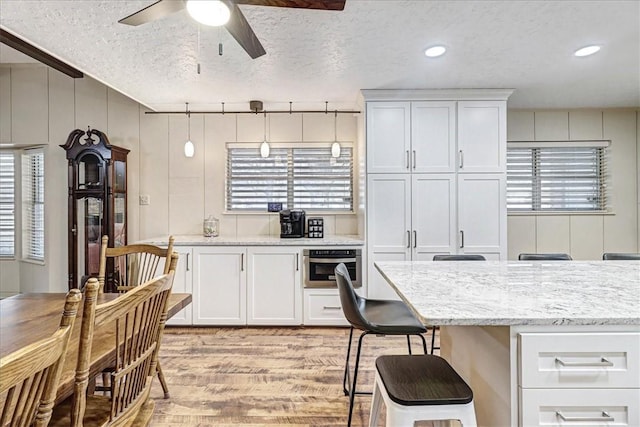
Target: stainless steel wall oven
319,266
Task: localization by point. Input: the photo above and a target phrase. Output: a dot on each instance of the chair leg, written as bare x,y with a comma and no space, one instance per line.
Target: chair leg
409,343
433,340
346,365
163,382
424,343
352,393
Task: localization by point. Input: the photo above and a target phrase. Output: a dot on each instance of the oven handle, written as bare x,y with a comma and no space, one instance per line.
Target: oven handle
330,260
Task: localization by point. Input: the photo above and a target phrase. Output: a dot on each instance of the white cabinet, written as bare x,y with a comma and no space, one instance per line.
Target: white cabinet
482,136
182,283
219,285
590,379
436,178
323,307
411,137
274,289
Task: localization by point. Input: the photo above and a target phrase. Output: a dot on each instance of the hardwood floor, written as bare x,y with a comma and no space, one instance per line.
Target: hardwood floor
263,376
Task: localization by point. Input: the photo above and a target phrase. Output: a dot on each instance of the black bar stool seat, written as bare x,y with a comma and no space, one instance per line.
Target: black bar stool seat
390,317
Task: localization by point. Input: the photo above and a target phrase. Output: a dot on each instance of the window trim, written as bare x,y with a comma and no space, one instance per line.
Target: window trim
14,156
25,256
293,145
605,144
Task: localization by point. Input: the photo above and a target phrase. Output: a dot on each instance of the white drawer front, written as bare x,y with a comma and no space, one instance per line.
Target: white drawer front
575,407
579,360
321,308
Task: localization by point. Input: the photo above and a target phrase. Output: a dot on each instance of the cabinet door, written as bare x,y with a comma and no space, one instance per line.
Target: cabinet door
274,286
182,283
388,137
219,286
433,208
482,215
433,136
388,226
482,136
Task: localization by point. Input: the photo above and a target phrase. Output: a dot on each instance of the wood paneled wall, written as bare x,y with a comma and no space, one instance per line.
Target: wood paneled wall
583,236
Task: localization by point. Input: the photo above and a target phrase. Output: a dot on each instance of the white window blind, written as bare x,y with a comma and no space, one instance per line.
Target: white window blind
7,204
557,177
33,205
298,177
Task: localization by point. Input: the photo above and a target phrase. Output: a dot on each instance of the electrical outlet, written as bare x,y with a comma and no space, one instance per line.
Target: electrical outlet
145,199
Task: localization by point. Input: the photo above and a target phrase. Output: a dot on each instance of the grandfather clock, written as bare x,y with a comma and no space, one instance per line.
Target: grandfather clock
97,200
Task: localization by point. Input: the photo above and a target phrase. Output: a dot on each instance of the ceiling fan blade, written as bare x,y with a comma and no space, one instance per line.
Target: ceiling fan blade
155,11
303,4
240,29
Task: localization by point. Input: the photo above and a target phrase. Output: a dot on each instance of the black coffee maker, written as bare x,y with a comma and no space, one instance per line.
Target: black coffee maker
292,223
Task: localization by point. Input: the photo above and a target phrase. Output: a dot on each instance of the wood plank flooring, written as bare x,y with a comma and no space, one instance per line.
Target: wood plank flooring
264,376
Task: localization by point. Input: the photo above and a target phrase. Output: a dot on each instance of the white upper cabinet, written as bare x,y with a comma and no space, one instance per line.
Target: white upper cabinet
482,136
433,136
388,137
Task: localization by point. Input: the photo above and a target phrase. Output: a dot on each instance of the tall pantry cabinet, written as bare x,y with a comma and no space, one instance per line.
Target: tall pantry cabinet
436,176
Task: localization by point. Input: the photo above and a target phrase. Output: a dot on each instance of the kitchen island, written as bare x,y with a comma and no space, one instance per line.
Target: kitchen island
540,343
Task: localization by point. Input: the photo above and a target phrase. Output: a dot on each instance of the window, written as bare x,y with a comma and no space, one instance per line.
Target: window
298,177
33,205
556,176
7,204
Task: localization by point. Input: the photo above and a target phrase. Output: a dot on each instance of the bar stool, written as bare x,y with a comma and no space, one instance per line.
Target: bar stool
422,387
617,256
544,257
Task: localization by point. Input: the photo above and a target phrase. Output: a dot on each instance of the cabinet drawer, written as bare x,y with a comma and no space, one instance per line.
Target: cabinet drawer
566,407
579,360
322,308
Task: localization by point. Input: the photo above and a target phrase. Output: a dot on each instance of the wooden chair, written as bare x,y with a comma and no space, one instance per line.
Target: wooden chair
132,265
29,377
137,318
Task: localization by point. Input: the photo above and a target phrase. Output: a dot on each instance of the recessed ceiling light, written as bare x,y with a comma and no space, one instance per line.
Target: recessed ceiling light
587,50
434,51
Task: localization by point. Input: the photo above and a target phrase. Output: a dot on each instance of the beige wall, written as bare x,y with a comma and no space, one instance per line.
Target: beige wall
583,236
42,106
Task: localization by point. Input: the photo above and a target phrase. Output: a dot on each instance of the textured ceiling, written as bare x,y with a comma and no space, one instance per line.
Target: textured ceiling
316,56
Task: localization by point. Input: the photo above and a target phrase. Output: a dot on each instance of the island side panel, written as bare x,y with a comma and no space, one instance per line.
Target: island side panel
483,358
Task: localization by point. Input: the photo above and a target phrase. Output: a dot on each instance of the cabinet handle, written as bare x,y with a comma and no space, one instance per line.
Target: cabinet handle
331,307
408,239
407,159
297,264
461,159
187,261
414,159
605,417
415,239
242,261
601,363
462,238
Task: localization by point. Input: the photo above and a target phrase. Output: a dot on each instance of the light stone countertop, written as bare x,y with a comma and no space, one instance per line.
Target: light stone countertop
198,240
519,293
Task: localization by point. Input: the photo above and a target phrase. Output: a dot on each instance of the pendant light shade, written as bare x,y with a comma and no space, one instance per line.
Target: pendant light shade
335,149
265,149
209,12
189,149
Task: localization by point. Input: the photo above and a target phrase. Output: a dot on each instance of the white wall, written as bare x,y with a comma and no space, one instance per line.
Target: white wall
41,106
583,236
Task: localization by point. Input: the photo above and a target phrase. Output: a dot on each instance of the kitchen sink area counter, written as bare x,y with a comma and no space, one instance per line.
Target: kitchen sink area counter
540,343
198,240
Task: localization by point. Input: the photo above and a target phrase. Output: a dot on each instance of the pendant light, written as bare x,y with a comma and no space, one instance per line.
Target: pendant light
335,147
189,148
264,147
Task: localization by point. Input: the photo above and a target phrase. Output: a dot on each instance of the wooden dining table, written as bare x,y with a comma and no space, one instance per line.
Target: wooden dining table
27,318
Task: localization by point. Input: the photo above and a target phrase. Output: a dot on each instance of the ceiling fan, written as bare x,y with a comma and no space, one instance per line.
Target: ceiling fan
237,25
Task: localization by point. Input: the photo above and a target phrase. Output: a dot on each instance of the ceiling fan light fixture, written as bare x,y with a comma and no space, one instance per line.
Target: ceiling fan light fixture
587,50
435,51
209,12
